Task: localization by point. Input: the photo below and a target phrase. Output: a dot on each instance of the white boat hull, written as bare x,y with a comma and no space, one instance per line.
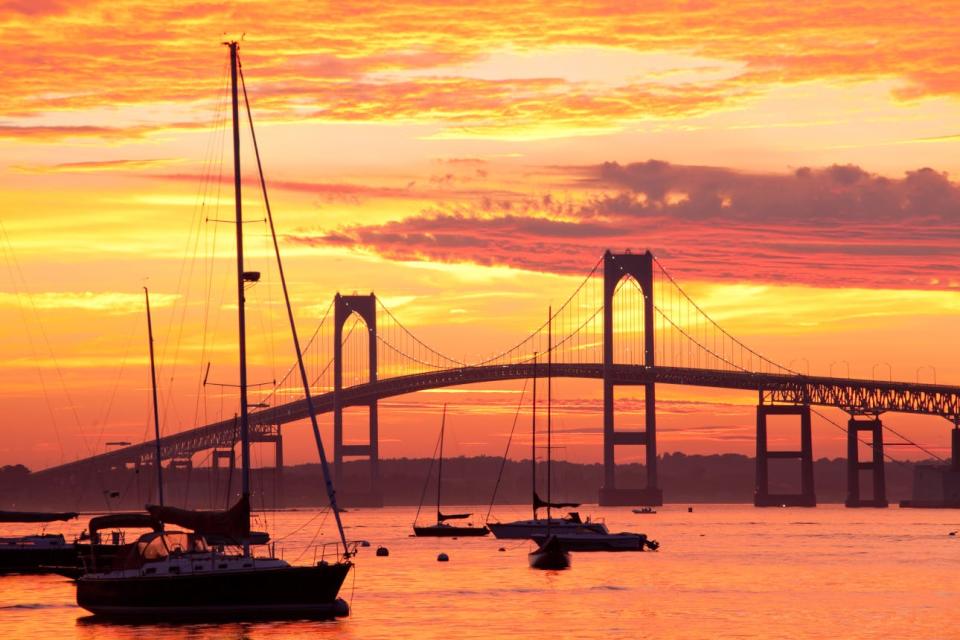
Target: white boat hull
527,529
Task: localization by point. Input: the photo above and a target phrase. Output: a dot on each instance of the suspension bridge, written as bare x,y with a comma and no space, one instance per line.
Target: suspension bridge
628,323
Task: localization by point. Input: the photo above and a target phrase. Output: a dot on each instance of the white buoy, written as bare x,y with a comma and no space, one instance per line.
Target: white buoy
443,558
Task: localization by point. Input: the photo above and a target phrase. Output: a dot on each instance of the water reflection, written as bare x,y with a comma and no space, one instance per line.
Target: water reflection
722,571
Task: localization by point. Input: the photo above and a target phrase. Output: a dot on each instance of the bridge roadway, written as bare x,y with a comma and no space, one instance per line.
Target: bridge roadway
851,395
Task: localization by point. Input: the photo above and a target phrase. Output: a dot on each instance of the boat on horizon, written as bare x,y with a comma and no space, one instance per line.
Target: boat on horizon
442,529
550,552
571,523
171,574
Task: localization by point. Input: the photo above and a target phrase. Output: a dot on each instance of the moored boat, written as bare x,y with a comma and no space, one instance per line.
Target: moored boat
526,529
442,529
571,524
549,554
624,541
35,553
168,575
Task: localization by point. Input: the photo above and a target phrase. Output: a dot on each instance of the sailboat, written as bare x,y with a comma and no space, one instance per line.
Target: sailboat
526,529
441,529
178,574
33,553
550,552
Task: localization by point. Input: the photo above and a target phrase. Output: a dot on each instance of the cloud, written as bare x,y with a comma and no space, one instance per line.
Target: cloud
106,301
418,62
709,223
94,166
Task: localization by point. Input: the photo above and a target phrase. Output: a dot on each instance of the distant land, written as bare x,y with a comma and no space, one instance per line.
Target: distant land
725,478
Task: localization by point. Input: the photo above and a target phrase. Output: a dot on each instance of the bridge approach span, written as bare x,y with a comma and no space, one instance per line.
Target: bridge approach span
867,397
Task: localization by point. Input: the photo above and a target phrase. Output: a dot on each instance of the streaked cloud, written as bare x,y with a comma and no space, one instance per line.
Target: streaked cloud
95,166
709,223
101,302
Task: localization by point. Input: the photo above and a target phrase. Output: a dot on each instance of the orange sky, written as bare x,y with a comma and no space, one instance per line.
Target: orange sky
792,167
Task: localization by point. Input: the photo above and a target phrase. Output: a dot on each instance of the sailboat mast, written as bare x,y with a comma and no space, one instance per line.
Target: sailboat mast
443,426
549,400
533,440
241,316
308,396
156,408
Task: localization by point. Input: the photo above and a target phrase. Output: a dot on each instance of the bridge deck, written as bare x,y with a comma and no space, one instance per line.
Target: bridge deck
855,396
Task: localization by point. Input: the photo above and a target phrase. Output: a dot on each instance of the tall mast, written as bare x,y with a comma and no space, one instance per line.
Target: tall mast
533,429
443,426
241,316
331,494
549,401
156,409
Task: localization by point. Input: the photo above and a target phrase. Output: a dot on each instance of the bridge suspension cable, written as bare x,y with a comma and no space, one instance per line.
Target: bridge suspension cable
712,344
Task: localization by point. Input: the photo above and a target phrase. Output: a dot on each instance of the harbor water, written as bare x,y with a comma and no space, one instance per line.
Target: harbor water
722,571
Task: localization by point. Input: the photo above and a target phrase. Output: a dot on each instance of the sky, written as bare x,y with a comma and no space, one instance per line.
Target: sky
793,166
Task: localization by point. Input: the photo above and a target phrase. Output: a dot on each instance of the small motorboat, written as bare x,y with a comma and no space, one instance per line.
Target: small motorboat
550,554
644,511
624,541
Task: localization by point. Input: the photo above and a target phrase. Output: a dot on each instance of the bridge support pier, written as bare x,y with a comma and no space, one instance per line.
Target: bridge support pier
955,446
875,466
372,496
275,437
224,454
762,496
615,268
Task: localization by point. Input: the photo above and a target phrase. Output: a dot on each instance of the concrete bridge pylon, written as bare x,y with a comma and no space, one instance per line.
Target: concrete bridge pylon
616,267
372,495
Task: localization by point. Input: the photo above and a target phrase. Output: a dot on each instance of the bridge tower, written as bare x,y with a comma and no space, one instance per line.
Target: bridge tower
273,434
366,308
875,466
762,496
615,268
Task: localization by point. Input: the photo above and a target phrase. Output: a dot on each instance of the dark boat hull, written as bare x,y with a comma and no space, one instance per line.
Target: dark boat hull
549,555
33,560
612,542
287,592
450,532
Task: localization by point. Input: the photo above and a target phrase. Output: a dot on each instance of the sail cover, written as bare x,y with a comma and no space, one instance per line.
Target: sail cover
233,523
540,504
35,516
443,517
124,520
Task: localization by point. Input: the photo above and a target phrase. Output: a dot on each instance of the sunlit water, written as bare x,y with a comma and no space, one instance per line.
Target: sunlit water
722,571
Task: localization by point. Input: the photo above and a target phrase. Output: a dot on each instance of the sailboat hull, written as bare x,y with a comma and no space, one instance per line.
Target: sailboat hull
284,592
442,531
602,541
527,529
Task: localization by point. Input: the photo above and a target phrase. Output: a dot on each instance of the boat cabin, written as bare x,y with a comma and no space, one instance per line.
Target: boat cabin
156,546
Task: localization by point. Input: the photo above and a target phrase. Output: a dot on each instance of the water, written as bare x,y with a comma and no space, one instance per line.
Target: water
722,571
